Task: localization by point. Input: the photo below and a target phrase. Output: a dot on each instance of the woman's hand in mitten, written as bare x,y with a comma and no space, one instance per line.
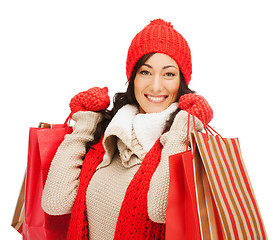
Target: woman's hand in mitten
196,105
94,99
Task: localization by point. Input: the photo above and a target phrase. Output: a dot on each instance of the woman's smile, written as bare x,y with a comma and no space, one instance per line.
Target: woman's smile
156,99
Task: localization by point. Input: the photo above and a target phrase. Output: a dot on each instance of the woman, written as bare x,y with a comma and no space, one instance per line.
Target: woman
120,189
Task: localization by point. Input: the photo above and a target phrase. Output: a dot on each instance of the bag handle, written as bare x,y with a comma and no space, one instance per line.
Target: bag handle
68,119
188,133
207,128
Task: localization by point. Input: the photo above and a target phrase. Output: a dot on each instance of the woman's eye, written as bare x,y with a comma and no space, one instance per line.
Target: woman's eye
144,72
169,74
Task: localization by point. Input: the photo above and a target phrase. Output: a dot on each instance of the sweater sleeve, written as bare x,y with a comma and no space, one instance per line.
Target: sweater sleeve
173,142
62,182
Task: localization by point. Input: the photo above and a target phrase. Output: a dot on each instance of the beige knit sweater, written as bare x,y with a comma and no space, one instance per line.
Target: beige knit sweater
127,139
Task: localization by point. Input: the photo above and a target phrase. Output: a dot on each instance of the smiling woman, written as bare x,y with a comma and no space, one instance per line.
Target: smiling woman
156,84
125,171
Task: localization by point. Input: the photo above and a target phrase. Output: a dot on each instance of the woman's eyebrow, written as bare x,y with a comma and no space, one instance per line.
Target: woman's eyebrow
147,65
165,67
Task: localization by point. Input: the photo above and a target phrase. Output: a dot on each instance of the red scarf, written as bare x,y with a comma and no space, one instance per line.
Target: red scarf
133,221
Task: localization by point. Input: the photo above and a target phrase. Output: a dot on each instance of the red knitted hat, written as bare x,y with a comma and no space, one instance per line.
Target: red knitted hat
160,36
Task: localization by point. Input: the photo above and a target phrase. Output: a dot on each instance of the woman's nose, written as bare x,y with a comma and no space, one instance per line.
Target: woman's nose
156,84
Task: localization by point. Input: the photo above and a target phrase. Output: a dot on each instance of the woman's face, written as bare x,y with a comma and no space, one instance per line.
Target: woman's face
156,83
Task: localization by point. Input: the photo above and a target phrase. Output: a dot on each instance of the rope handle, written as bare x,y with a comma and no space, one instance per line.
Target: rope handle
188,131
207,128
68,119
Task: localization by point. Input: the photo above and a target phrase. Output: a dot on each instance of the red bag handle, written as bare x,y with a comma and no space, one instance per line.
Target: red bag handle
68,119
188,131
207,128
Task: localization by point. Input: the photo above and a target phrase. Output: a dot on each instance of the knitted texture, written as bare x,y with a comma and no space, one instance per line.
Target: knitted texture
133,221
196,105
78,227
94,99
160,36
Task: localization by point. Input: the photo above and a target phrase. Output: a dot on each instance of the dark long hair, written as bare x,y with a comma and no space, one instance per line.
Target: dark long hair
123,98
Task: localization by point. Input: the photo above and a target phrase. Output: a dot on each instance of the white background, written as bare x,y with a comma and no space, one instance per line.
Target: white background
51,50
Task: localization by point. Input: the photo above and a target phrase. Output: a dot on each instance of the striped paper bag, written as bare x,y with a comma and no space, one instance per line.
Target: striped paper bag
227,205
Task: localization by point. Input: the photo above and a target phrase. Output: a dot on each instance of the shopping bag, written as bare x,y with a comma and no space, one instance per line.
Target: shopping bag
43,144
181,214
210,195
188,200
231,189
18,216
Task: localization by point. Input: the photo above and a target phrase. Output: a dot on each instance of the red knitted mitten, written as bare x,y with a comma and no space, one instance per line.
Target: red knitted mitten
94,99
197,105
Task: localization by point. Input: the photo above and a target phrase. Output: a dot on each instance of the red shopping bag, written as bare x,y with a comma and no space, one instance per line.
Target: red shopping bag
43,144
190,200
210,194
181,215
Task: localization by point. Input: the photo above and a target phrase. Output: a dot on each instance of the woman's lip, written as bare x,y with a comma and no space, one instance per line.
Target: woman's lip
156,99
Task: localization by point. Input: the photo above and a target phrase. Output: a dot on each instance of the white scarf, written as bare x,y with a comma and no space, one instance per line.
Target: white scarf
148,128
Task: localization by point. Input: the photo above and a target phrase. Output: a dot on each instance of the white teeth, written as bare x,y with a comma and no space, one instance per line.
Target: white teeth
155,99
